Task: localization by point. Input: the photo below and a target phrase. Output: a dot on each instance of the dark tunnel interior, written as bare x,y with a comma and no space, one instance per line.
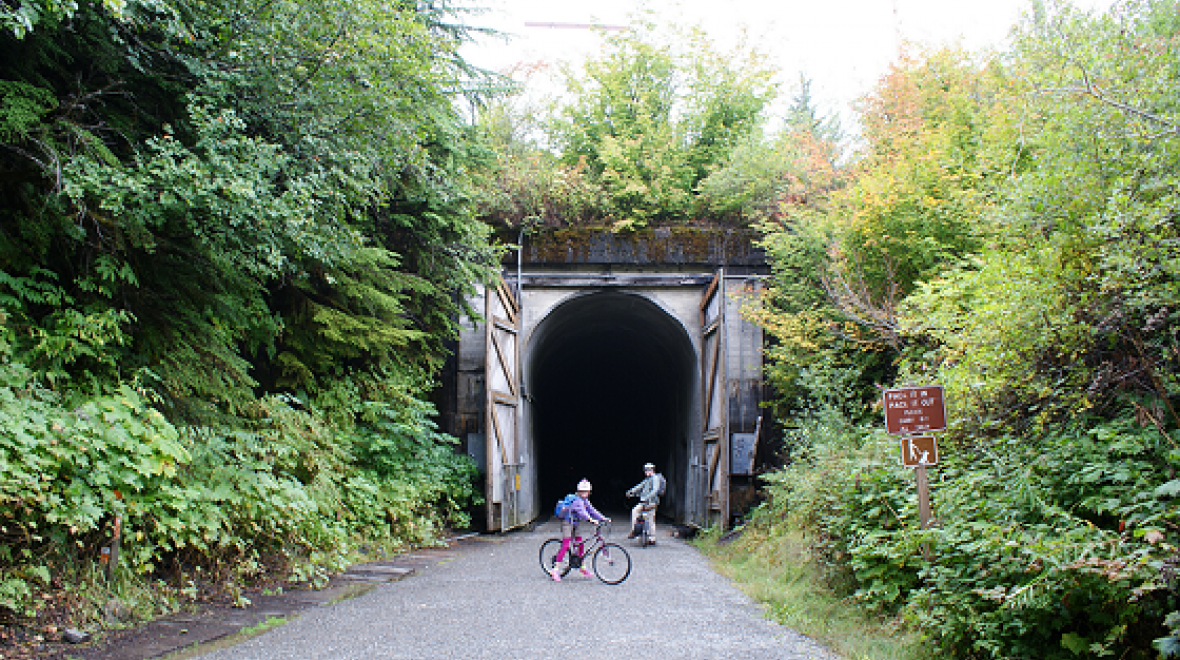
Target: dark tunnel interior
609,378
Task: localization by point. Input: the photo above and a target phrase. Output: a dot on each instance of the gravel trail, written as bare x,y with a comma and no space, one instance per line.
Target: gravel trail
493,602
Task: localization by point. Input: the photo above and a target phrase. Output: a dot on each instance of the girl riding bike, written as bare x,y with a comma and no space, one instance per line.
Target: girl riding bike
579,510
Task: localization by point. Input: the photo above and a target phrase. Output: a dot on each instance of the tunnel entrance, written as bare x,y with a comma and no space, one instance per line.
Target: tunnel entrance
609,378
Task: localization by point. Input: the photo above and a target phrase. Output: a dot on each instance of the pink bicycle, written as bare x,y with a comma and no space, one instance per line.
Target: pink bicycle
610,561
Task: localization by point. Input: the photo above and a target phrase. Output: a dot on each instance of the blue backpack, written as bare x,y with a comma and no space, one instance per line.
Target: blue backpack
563,505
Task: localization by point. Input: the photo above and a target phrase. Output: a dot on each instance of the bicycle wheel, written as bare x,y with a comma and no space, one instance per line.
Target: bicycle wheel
643,523
548,556
612,564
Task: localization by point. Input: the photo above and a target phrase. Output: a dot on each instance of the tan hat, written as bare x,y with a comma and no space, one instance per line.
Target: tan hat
584,485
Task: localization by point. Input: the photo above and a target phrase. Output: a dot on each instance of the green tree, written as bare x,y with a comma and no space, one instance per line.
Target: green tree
803,116
1081,279
289,144
525,181
651,120
1009,232
859,237
234,240
770,175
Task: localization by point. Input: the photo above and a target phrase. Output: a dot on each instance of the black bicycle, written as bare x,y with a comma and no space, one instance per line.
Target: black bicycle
610,561
644,526
645,520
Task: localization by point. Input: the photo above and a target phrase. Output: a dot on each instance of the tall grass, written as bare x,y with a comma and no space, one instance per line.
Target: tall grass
772,566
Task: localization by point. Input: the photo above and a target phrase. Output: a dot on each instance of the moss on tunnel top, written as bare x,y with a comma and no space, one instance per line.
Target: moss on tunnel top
681,245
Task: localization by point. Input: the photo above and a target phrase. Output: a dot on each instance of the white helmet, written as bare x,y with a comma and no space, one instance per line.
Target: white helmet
583,485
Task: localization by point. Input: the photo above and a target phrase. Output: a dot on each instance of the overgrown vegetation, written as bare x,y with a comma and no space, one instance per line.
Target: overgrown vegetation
234,239
1009,231
660,128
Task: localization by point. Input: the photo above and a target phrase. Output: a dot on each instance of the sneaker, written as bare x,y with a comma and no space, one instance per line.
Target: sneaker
586,571
555,574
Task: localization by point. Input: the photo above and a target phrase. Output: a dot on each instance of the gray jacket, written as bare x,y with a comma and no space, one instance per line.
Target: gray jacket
649,489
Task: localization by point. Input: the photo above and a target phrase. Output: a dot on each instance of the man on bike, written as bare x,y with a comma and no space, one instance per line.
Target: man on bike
648,491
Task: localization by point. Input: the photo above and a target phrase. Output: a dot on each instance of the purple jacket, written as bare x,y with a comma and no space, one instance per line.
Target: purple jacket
582,509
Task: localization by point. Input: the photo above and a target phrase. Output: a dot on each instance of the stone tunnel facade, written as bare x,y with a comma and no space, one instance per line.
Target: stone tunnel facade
616,367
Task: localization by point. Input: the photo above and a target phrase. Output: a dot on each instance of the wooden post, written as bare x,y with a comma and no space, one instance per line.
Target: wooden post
116,542
113,549
923,496
913,412
923,505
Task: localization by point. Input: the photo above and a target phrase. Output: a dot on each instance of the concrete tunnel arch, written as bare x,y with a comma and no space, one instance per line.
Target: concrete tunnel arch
610,379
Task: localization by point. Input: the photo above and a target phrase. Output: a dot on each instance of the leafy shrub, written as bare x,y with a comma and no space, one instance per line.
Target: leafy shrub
1054,547
1019,248
67,471
287,492
1065,559
854,504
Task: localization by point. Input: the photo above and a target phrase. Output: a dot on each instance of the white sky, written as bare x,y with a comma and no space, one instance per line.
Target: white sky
843,46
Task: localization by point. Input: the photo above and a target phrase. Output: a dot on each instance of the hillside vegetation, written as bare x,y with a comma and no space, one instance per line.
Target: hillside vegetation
234,239
1011,231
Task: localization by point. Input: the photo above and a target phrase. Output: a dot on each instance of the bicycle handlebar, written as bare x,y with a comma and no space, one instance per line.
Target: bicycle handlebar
599,524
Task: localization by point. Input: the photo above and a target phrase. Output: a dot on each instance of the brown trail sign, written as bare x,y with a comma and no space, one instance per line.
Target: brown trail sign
914,410
919,450
908,412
